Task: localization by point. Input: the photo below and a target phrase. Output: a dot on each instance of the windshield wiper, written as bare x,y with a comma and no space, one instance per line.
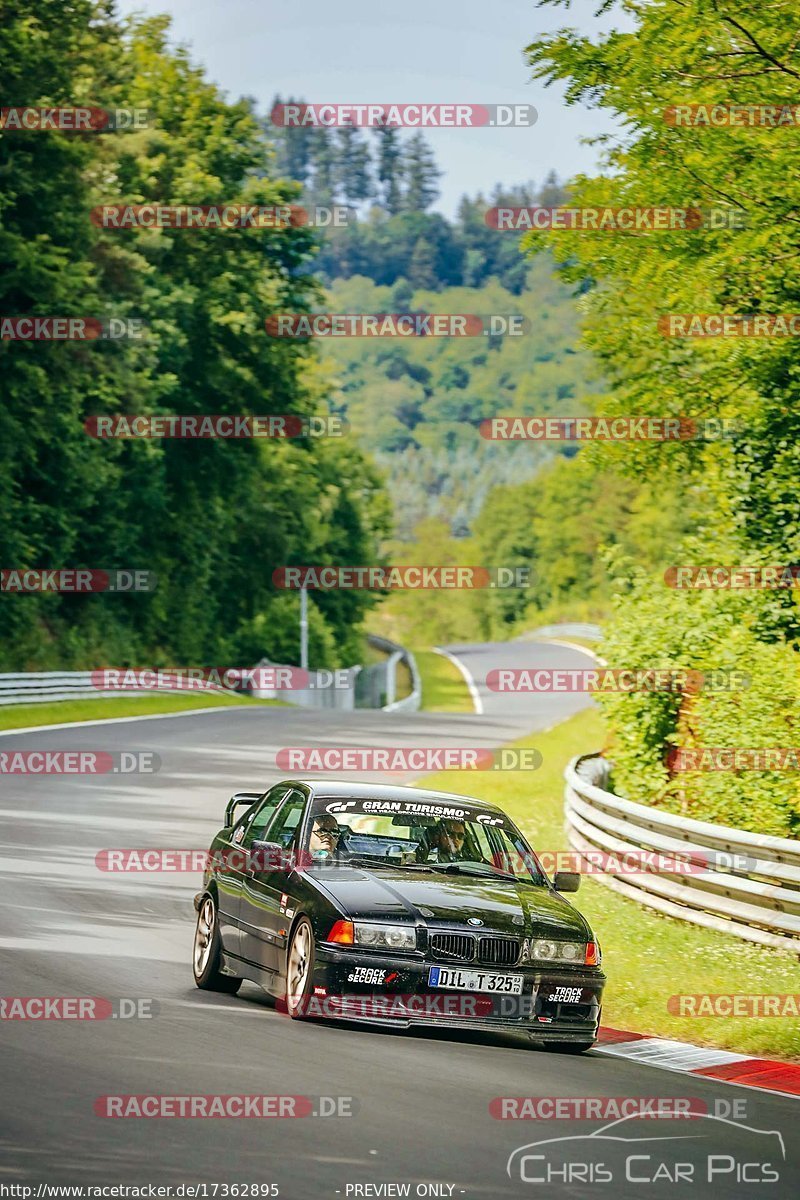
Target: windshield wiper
452,868
456,868
363,861
415,866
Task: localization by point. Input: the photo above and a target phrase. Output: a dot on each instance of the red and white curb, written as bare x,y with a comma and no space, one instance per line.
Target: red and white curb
768,1074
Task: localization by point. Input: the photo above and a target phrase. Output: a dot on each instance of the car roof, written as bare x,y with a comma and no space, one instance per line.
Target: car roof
329,788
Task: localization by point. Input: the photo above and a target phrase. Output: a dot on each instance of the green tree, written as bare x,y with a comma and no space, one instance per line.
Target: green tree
352,174
422,268
421,175
324,159
294,145
212,519
739,492
389,168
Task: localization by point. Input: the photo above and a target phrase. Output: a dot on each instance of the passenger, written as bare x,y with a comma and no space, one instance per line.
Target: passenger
443,843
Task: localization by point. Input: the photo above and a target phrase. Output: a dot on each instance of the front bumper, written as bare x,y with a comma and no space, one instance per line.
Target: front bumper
395,990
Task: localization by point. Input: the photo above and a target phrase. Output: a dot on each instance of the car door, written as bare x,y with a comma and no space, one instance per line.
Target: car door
233,859
264,915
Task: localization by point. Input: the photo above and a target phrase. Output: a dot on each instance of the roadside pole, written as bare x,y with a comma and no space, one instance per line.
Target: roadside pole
304,628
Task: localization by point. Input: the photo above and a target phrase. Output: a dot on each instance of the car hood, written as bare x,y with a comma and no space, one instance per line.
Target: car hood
504,906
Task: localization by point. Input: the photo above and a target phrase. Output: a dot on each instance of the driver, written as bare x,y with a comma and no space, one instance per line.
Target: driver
444,842
325,835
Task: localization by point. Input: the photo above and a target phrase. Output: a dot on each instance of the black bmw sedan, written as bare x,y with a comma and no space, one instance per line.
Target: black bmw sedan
397,906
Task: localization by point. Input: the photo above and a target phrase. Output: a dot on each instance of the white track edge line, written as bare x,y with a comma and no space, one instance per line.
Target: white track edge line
187,712
570,646
477,703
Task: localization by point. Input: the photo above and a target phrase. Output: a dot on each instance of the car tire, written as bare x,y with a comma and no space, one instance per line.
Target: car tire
300,954
207,951
569,1047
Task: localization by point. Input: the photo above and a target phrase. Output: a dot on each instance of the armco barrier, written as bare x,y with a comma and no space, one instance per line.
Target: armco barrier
364,687
323,692
750,886
37,687
582,629
396,655
373,686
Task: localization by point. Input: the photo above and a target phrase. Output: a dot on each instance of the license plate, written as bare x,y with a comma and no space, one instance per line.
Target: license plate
475,981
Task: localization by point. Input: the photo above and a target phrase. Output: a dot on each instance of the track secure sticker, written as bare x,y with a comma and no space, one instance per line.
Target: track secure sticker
367,975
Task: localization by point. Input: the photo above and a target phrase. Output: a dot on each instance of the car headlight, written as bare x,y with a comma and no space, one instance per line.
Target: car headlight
569,952
385,937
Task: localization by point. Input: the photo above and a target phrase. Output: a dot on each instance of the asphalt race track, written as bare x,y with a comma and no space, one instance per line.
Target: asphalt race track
536,710
420,1101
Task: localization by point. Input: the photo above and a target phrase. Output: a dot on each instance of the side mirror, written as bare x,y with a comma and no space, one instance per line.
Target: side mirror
270,856
566,881
237,801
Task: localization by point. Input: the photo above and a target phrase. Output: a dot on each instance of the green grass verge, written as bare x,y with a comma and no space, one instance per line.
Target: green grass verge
443,685
647,957
18,716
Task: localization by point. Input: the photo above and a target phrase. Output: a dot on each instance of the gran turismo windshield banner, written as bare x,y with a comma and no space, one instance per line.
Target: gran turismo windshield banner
435,810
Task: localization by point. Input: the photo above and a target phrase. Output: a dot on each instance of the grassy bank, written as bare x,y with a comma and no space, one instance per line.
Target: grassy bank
443,685
647,957
19,716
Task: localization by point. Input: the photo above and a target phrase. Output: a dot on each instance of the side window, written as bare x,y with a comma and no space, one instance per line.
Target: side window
477,839
284,824
257,821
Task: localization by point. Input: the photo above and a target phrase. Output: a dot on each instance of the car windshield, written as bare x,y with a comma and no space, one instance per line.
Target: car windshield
417,835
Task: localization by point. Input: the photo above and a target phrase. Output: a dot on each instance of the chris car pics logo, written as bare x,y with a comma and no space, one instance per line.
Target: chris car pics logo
712,1149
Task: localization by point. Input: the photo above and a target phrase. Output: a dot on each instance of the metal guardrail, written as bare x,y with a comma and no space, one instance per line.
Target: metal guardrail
584,629
37,687
363,687
741,883
396,655
373,686
327,689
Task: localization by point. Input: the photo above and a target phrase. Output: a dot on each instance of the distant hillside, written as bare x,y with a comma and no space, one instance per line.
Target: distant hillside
389,178
417,403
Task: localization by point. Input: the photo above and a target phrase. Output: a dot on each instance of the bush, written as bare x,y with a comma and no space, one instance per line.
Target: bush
701,631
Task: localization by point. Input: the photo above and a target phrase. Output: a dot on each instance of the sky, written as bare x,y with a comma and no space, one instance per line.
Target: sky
413,51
